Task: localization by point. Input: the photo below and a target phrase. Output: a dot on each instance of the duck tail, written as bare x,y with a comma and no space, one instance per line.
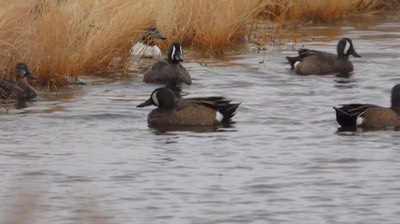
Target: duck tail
347,114
344,118
293,60
228,111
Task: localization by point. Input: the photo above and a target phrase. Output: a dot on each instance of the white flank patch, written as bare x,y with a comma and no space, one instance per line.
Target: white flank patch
346,47
154,51
155,100
173,51
141,49
296,64
359,120
219,116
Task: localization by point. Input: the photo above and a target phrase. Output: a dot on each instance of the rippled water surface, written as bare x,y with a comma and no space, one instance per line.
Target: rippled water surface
87,156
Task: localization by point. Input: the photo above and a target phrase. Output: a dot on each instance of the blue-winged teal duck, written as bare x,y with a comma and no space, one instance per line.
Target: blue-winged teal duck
18,89
321,63
169,72
371,116
200,111
146,47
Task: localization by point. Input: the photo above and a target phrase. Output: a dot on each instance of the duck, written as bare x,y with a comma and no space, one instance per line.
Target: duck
18,89
170,71
197,111
371,116
146,47
312,62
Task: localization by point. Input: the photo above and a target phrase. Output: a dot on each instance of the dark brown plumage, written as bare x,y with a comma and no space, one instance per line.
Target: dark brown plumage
170,72
321,63
18,89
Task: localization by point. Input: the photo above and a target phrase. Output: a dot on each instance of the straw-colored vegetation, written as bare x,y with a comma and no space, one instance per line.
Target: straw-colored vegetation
61,39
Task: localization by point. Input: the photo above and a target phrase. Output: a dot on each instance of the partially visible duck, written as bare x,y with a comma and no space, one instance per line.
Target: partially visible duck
321,63
18,89
369,115
169,72
199,111
146,47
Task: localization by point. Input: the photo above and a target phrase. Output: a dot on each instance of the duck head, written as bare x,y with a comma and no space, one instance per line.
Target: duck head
22,71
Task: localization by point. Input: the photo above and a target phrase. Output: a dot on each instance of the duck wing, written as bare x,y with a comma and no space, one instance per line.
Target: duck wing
8,87
217,103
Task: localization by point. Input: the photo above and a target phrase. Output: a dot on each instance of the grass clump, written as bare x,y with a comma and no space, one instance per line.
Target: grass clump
323,10
62,39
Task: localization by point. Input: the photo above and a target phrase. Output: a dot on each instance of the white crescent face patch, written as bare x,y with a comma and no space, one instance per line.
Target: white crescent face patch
155,100
173,51
346,47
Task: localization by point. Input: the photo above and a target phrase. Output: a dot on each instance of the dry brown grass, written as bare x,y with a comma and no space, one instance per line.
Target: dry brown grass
208,25
321,10
61,39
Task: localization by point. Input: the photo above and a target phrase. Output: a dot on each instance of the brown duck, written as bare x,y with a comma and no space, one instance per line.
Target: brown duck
200,111
170,72
369,115
18,89
322,63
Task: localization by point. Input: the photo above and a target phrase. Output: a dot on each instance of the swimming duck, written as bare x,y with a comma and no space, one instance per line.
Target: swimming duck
146,47
369,115
169,72
320,63
18,89
199,111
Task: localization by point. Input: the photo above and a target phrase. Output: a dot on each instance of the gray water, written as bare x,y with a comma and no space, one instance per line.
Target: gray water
86,155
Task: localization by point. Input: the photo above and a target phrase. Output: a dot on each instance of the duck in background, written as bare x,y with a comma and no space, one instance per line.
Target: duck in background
321,63
170,71
198,111
146,46
18,89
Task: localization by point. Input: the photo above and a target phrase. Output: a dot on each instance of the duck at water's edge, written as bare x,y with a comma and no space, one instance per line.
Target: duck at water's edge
146,46
18,89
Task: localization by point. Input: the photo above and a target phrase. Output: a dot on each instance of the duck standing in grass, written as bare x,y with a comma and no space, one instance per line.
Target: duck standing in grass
371,116
18,89
146,46
321,63
200,111
170,72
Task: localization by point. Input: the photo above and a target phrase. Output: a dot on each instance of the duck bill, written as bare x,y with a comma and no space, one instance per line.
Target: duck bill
355,54
146,103
178,57
158,35
29,75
